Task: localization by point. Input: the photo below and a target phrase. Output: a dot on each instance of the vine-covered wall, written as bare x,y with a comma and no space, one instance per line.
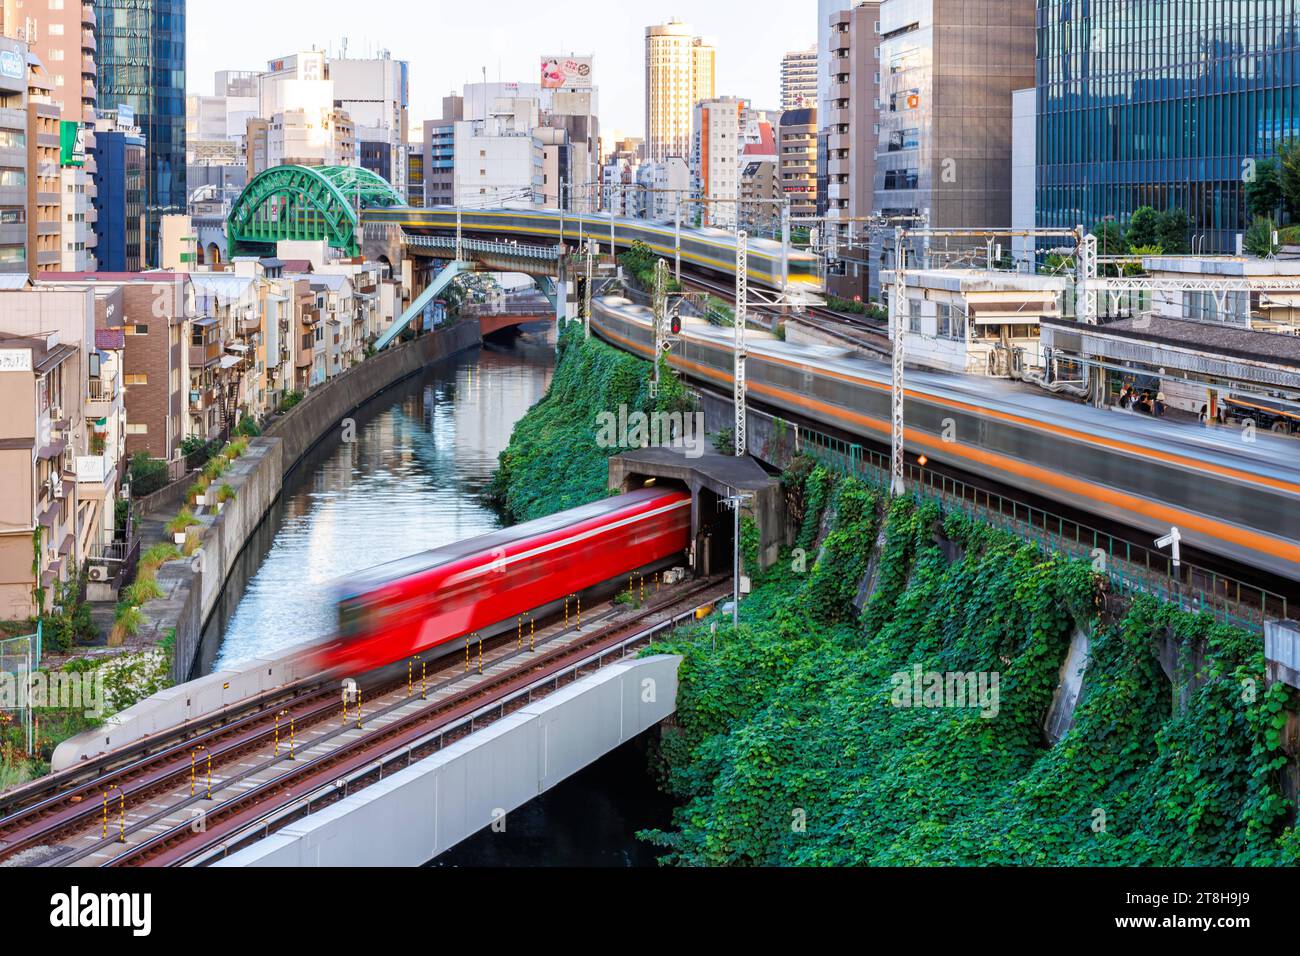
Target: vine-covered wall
793,745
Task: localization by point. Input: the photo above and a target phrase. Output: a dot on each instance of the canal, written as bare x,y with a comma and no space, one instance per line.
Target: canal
405,477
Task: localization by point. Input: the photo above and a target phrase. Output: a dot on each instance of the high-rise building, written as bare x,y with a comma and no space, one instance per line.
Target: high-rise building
440,153
799,79
851,139
944,147
141,63
119,192
62,35
375,93
305,126
13,156
44,173
825,8
716,157
1162,109
797,145
680,71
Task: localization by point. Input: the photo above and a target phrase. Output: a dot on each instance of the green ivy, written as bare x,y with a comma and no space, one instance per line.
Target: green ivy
789,749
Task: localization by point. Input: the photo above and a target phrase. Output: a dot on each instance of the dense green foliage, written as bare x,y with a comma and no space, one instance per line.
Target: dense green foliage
792,749
553,462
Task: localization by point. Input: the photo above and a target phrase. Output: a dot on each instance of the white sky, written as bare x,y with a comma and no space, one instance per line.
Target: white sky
449,43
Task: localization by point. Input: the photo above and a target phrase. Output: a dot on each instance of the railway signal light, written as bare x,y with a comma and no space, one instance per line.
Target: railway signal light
676,324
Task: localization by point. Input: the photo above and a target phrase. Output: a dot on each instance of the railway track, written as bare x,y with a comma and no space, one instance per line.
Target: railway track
856,332
161,805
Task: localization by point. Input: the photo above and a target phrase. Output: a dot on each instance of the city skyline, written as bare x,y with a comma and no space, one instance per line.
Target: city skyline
749,51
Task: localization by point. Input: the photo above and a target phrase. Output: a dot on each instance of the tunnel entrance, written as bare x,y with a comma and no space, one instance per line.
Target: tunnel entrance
714,536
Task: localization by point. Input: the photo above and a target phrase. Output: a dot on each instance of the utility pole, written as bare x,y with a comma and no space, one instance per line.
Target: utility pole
742,309
785,245
897,304
660,308
678,244
586,295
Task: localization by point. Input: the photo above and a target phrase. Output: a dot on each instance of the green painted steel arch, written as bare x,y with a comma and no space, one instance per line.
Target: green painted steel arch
306,202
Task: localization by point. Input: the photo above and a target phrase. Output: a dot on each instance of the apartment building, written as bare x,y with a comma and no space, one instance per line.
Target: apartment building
13,157
46,340
118,186
760,190
797,144
680,71
62,35
440,153
153,314
716,157
799,79
44,173
851,121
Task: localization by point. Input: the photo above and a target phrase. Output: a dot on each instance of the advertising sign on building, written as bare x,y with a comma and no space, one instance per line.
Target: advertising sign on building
13,65
566,73
15,360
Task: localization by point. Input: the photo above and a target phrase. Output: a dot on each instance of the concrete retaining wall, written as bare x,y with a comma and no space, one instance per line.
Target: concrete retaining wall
431,806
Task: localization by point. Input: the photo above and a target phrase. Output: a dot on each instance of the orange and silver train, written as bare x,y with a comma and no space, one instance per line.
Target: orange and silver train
713,250
1234,499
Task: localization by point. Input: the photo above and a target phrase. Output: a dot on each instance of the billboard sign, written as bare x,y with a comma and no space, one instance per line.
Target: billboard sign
566,72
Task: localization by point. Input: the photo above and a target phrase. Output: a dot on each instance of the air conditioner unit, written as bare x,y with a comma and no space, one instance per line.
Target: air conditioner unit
56,488
98,573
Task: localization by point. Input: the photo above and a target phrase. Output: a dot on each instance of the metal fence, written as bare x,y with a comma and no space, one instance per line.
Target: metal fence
20,657
1131,568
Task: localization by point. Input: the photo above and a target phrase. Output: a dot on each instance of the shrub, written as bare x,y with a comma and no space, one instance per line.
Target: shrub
290,401
144,590
157,556
182,522
248,428
147,474
225,494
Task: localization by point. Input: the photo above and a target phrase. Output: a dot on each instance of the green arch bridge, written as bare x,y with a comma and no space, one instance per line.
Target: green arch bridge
307,203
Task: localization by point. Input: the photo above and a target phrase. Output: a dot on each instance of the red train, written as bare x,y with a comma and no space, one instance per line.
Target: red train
430,602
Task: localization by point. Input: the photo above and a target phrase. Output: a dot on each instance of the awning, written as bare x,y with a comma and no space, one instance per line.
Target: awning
54,449
239,347
230,361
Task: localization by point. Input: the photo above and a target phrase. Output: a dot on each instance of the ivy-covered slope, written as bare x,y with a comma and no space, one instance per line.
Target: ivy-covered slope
553,462
791,749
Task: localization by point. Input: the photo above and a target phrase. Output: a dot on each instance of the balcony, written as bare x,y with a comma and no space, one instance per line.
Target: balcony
96,470
102,397
88,18
88,41
206,355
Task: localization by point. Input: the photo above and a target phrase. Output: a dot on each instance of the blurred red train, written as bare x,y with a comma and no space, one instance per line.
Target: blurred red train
428,603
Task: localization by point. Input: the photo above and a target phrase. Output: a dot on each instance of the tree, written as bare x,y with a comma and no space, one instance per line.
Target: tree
1264,192
1144,228
1110,238
1288,158
1174,228
1259,237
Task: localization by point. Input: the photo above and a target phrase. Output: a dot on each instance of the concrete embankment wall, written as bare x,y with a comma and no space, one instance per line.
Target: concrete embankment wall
429,807
192,588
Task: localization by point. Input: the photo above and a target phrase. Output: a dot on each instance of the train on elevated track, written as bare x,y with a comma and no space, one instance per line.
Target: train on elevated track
713,250
1229,497
427,604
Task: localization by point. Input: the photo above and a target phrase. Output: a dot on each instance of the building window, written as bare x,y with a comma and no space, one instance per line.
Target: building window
137,378
135,428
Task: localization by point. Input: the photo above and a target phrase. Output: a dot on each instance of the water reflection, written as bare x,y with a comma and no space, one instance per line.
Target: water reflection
408,481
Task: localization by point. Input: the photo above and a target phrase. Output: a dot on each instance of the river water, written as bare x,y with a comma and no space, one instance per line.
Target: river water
405,479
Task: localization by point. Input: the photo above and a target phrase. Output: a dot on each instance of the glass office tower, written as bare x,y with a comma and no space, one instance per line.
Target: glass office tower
142,67
1161,103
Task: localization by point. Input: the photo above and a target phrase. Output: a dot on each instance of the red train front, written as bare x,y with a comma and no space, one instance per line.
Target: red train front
426,603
